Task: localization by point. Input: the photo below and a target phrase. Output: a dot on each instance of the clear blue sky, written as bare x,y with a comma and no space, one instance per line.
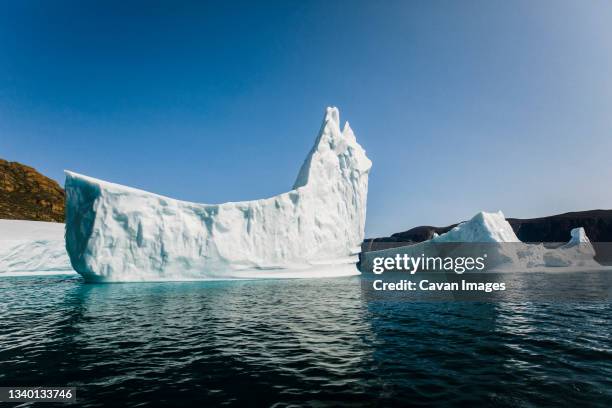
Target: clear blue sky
461,105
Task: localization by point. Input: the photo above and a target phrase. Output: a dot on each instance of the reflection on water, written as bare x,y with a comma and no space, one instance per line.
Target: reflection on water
312,342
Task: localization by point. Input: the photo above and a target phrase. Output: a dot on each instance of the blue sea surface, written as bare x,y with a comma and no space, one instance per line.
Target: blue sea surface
319,342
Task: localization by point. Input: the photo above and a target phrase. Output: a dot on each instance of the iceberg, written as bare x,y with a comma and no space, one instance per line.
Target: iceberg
32,247
116,233
490,234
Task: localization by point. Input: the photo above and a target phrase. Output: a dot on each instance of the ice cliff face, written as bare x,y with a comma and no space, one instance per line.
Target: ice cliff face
118,233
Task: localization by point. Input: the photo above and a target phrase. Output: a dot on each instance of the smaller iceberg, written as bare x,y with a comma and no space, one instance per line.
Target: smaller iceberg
490,234
118,233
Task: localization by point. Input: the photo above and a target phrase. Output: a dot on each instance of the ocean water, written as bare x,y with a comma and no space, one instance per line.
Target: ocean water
320,342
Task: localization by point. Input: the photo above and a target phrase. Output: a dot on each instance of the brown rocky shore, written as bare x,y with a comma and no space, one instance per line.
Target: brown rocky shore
25,194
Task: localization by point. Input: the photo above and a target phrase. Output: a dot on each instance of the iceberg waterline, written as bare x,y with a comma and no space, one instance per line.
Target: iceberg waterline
118,233
33,247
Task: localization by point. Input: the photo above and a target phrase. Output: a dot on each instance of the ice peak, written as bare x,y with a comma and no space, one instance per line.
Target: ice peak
347,132
578,236
483,227
332,114
333,151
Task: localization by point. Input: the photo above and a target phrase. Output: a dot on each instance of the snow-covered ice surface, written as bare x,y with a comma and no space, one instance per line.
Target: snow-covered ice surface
490,234
118,233
28,247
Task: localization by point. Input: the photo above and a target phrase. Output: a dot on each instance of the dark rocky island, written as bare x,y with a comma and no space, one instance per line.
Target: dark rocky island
25,194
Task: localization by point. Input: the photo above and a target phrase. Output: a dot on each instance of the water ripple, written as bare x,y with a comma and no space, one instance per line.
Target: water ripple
302,342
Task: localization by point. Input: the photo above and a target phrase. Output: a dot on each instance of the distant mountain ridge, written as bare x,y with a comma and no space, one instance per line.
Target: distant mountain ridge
26,194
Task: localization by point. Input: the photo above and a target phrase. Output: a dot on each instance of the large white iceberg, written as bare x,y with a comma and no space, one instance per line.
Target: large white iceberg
32,247
118,233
